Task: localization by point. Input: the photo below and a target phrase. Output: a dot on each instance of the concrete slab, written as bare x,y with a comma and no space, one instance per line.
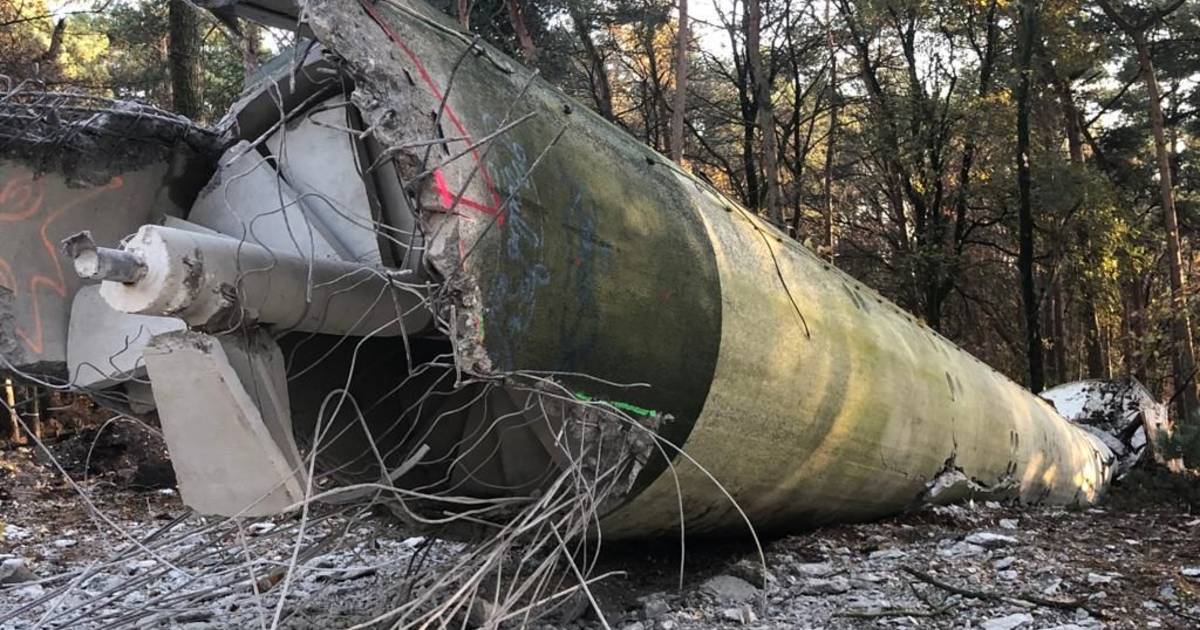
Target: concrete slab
229,458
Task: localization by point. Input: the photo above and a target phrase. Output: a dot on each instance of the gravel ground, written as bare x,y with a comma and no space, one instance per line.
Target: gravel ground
1134,563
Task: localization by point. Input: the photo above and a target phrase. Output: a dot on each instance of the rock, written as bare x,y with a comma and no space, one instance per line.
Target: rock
1102,578
14,532
29,591
1191,573
870,578
64,543
727,589
14,571
814,569
134,566
260,528
822,586
752,571
667,624
655,606
1009,575
887,554
482,613
741,614
961,549
637,625
1008,523
1004,563
989,540
1008,622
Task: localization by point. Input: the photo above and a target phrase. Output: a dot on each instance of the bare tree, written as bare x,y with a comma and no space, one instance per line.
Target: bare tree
761,83
830,140
681,79
597,70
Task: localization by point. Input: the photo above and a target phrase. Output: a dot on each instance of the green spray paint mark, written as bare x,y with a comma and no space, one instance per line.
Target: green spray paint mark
623,406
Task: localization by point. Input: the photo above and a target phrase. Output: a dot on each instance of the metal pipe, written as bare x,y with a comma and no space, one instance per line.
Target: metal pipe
218,282
102,263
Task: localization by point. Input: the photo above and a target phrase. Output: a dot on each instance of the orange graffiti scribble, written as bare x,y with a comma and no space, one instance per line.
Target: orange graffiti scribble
18,191
28,192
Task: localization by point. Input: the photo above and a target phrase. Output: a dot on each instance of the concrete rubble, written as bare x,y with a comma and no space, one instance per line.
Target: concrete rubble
849,576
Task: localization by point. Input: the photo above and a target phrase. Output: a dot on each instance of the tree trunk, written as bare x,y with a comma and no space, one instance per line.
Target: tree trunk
1025,256
516,15
463,9
681,79
47,64
183,58
251,47
830,141
761,85
10,404
1184,358
1058,327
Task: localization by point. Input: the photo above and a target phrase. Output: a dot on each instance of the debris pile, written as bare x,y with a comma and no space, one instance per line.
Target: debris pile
982,565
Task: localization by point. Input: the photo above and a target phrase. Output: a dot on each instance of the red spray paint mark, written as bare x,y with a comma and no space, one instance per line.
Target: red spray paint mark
447,197
492,209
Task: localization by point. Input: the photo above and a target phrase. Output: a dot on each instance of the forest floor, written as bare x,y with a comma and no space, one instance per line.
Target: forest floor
130,555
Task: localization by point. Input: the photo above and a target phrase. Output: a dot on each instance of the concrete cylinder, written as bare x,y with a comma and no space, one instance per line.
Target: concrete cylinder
216,282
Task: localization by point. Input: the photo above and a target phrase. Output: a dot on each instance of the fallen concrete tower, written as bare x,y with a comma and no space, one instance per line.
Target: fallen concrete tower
421,274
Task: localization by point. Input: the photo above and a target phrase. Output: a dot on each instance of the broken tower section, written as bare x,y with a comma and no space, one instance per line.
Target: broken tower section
423,273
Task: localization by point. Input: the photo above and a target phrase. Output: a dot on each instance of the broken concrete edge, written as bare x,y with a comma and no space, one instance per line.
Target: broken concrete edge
231,445
398,117
98,139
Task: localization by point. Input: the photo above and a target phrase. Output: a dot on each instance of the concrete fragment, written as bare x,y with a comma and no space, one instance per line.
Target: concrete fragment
1102,578
252,469
248,201
727,589
104,346
960,549
1007,622
739,614
14,571
822,586
990,540
654,606
752,571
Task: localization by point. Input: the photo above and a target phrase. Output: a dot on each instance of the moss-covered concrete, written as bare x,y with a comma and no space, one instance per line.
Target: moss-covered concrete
806,394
